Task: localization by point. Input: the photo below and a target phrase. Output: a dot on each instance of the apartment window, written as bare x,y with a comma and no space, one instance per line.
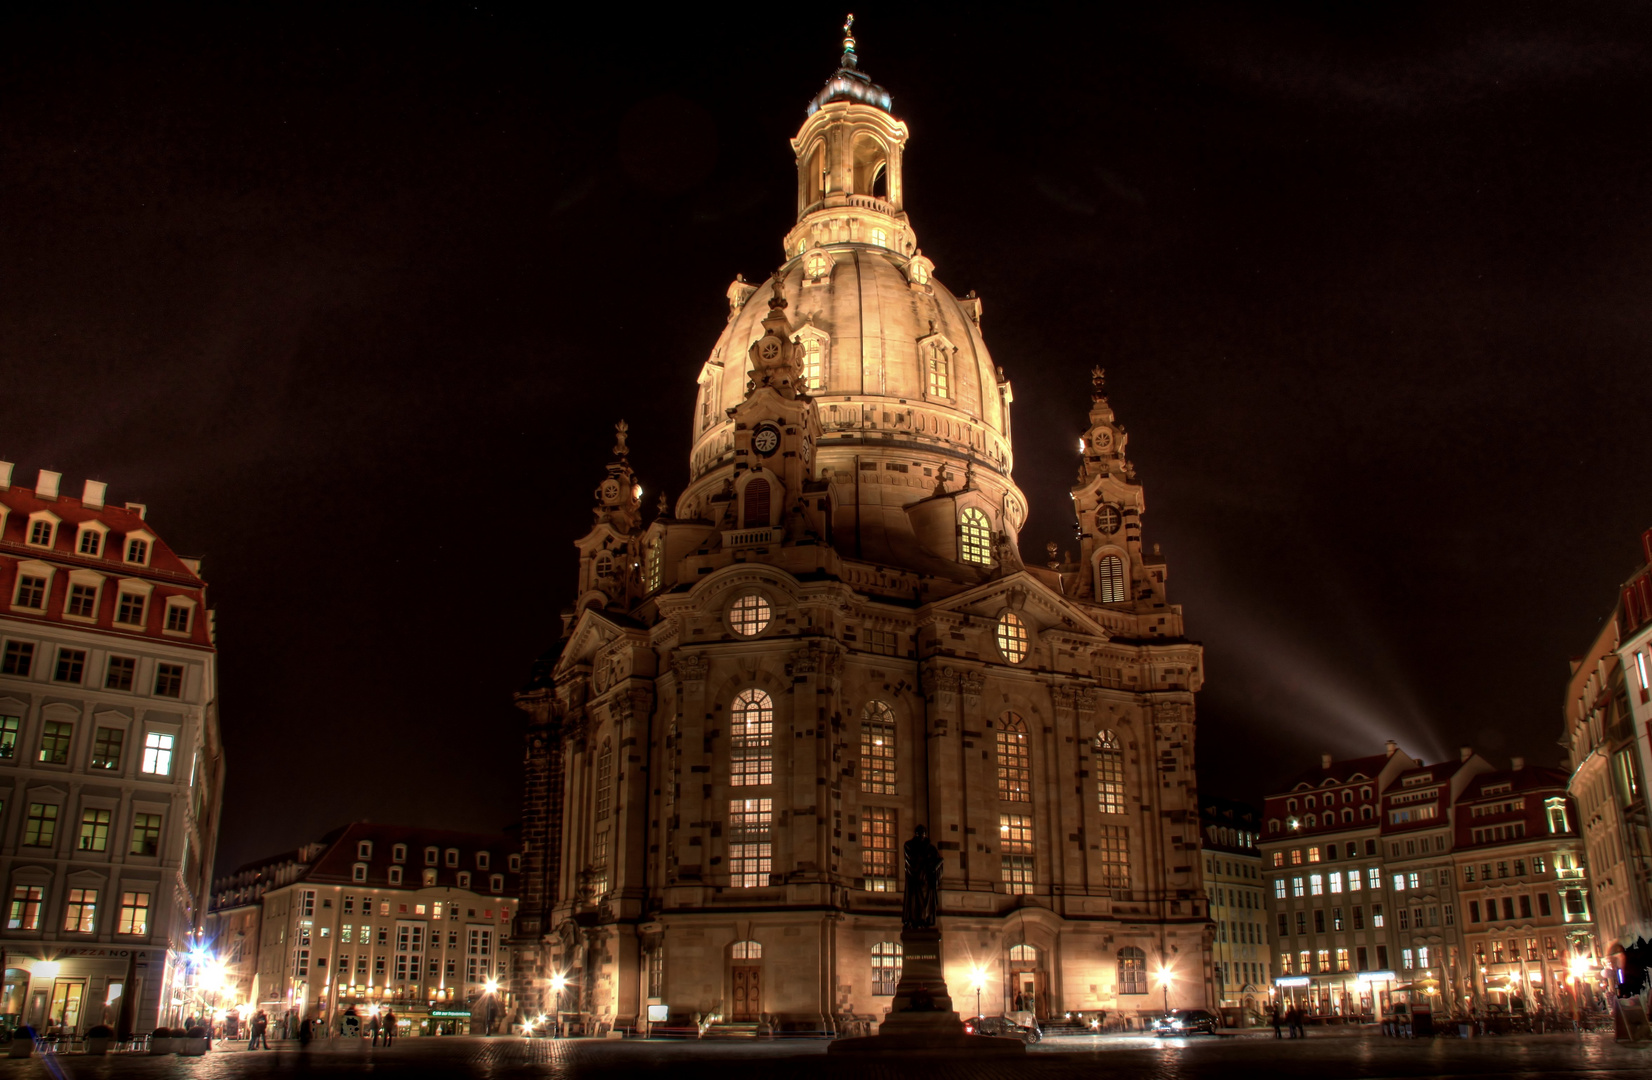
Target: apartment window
464,877
1279,858
1319,921
40,533
146,834
749,615
177,618
91,542
1316,885
25,907
1296,887
1301,923
94,830
1354,881
395,875
71,665
1399,882
886,968
1296,856
1014,760
1113,844
1324,960
879,831
1336,882
1376,916
40,830
1012,637
169,680
137,551
83,601
451,857
877,749
605,780
1279,888
1336,918
751,739
1556,812
974,537
80,914
1342,959
1110,572
1313,852
157,753
1373,877
1110,775
1406,960
751,825
431,856
134,913
55,738
1284,924
131,609
1359,918
1015,844
31,591
9,729
1132,971
121,673
1542,905
18,660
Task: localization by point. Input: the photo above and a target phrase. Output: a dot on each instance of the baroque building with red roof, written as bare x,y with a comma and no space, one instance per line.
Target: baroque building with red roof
111,768
832,637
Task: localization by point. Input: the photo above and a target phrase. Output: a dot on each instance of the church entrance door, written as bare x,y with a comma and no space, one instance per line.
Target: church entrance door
748,996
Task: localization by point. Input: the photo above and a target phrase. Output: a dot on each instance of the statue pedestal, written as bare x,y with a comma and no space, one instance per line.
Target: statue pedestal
921,1018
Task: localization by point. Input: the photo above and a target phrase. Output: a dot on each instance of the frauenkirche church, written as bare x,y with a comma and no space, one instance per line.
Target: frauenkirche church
833,638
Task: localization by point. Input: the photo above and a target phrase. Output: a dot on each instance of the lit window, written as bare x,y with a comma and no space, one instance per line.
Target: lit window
1110,579
106,749
605,779
1015,846
25,907
880,237
1012,637
751,739
134,913
886,968
918,274
877,749
131,609
1296,887
1014,760
974,537
1316,885
751,824
55,738
157,753
938,372
879,830
746,950
749,615
40,829
656,564
1640,670
817,264
1110,775
1279,888
1113,848
94,831
814,376
80,914
1132,971
1313,855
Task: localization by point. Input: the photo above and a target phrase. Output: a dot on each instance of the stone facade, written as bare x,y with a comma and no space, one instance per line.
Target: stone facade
1240,961
831,638
111,767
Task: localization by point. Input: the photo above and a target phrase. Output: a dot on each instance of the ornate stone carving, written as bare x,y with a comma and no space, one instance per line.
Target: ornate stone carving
973,684
815,658
1065,696
690,667
944,681
1089,699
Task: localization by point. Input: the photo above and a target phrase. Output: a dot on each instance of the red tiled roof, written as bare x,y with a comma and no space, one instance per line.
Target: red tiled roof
1340,771
337,864
164,563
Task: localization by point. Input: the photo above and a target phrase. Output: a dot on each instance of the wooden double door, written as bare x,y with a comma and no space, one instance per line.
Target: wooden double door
747,1002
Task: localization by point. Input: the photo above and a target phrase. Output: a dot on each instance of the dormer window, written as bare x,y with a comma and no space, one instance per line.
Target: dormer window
496,883
179,612
137,551
91,540
82,602
938,371
817,264
395,875
974,537
131,608
429,877
453,856
515,864
430,856
364,850
41,530
481,860
464,879
358,872
398,853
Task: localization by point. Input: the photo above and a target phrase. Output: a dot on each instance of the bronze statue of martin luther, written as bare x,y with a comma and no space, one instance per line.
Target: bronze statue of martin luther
923,882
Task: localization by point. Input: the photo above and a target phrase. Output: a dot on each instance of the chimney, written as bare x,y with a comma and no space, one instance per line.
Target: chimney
46,486
138,508
1392,746
5,475
92,494
1517,763
1465,752
1325,761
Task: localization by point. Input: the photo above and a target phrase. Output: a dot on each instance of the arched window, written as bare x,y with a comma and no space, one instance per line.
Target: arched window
1311,820
605,779
974,537
1110,579
1014,760
1347,815
747,950
1012,637
1132,970
1311,802
751,739
1109,774
886,968
656,564
814,374
1365,813
756,504
869,159
877,749
938,372
1023,954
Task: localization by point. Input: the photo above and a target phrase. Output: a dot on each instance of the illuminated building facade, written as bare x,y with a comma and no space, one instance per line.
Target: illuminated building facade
1635,656
833,637
1522,887
413,919
1241,963
111,768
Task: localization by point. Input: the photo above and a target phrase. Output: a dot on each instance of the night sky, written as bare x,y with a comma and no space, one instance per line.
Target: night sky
353,297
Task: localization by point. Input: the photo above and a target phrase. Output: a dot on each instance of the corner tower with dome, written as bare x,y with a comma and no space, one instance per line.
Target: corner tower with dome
832,638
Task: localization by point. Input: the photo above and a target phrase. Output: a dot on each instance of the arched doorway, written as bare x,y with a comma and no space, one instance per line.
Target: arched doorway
745,981
1026,989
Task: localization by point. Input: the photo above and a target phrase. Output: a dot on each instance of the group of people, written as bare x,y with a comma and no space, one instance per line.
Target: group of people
380,1025
1291,1018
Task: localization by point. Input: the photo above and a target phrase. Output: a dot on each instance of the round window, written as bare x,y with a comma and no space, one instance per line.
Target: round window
1012,637
749,615
920,274
817,264
1108,520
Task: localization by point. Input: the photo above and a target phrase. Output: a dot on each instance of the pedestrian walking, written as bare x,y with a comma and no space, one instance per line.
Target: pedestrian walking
1275,1014
1299,1028
373,1026
389,1027
260,1031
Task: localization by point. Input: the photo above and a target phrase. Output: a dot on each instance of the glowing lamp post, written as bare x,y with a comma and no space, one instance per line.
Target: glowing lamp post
978,976
492,989
1580,971
559,983
1164,984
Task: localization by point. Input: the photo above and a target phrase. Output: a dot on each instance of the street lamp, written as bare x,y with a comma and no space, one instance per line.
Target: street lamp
1164,984
559,983
978,976
492,988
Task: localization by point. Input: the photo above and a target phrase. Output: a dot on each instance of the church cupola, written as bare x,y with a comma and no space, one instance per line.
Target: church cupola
849,166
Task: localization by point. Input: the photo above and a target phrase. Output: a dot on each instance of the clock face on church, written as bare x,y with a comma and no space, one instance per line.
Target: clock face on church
766,439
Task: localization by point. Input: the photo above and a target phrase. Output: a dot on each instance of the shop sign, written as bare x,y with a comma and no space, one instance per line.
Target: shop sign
123,953
1374,976
1291,980
450,1014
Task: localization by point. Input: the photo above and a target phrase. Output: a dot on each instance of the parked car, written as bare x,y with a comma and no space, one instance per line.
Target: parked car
1187,1022
1003,1027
